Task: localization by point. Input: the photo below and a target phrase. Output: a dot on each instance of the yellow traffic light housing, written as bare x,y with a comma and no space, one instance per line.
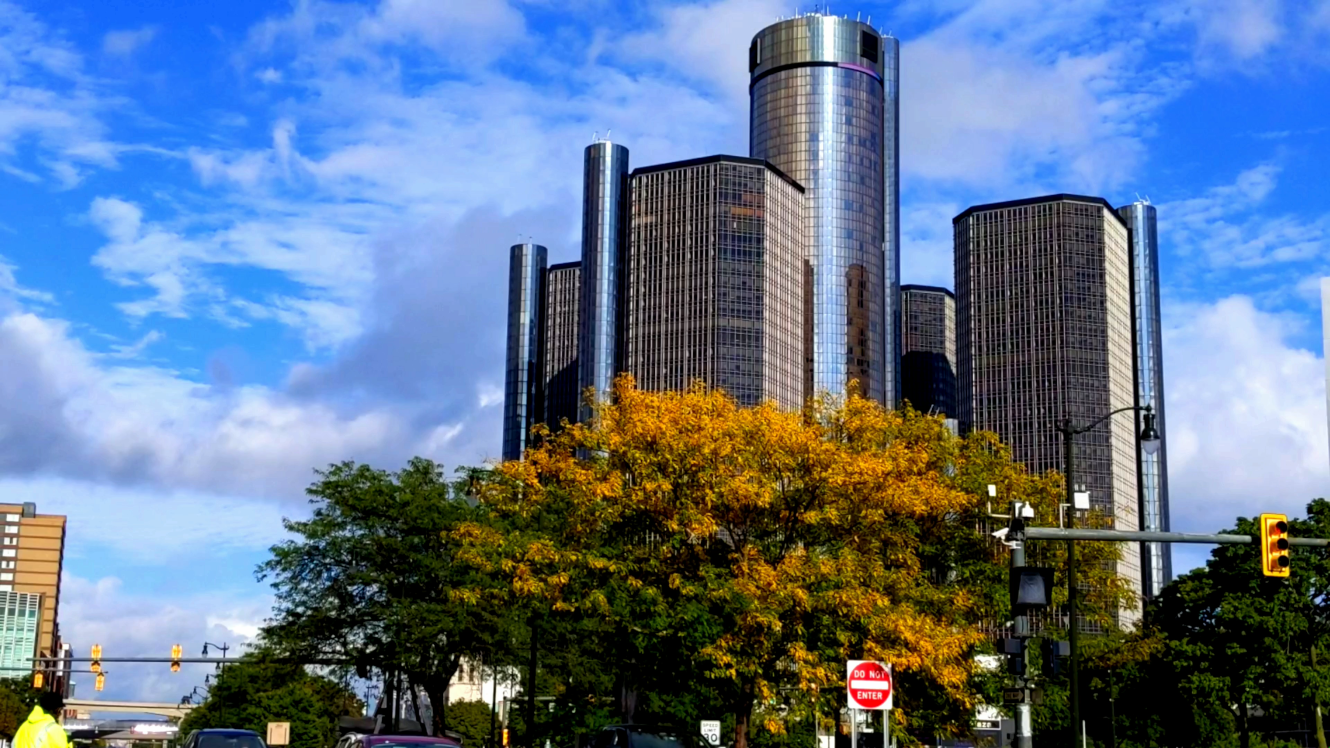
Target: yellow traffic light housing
176,652
101,681
96,664
37,679
1274,545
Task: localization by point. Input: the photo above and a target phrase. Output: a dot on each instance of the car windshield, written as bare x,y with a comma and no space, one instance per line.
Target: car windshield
230,741
662,738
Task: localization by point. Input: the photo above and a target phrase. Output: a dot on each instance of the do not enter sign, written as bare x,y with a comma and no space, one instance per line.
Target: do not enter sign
869,684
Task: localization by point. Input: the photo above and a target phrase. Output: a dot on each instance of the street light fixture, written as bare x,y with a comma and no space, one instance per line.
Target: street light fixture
1150,442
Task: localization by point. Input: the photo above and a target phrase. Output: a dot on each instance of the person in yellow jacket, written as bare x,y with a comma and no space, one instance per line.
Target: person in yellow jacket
41,730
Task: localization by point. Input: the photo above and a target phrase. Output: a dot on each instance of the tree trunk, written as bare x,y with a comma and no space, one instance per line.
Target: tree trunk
415,700
436,691
1320,727
1246,734
743,715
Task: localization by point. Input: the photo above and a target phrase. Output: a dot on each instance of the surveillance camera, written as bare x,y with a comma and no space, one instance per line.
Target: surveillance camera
1001,534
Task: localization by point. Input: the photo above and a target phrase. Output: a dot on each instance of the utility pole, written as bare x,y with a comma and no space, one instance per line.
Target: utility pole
1073,626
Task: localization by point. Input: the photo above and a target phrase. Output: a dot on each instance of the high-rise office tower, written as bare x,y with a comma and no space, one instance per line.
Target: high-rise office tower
713,280
824,110
563,286
1044,332
604,224
928,345
523,374
1156,558
30,565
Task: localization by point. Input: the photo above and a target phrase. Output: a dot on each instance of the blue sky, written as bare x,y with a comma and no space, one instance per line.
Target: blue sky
242,240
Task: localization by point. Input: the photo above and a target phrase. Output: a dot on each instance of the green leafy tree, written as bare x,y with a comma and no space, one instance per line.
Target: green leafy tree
370,578
17,697
1240,655
253,692
471,719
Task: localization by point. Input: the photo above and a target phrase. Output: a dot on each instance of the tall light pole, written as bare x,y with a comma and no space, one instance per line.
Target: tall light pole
1149,438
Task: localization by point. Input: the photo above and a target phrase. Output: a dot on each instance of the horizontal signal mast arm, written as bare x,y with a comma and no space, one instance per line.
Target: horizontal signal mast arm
1057,533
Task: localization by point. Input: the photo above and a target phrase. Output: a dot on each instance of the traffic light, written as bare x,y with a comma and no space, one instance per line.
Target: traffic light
37,679
1274,545
101,681
176,652
96,664
505,737
1014,649
1055,654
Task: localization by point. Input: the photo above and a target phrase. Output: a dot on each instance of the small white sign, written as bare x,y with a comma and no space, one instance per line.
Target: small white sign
1080,499
711,731
279,733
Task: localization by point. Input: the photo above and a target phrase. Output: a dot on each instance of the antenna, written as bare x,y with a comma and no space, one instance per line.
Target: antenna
607,134
857,15
870,20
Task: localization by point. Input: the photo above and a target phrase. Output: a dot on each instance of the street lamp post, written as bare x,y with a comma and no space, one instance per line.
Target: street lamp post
222,647
1149,438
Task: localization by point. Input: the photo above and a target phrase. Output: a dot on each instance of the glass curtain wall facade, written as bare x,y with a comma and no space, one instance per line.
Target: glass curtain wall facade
928,344
824,110
523,374
1044,332
714,280
20,623
604,224
1156,558
563,285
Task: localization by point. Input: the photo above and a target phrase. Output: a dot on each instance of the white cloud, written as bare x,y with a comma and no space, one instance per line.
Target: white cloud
45,97
1228,228
63,414
128,623
136,349
1246,415
125,43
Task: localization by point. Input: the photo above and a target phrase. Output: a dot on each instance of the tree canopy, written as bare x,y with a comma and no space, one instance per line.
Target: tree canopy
761,548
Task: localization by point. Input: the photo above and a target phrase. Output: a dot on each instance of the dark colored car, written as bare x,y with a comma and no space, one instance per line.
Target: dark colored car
219,738
648,736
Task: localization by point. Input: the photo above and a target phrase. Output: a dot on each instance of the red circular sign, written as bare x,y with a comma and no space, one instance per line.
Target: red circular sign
869,685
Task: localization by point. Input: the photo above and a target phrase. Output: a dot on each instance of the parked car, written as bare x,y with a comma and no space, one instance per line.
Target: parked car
648,736
222,738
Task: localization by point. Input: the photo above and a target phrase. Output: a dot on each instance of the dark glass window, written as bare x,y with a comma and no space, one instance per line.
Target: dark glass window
229,741
754,54
868,46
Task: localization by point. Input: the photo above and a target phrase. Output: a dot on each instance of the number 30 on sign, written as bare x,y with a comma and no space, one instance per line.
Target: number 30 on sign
868,684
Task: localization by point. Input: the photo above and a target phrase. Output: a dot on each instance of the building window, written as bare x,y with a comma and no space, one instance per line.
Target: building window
6,588
8,564
868,46
9,553
6,576
11,541
11,518
11,529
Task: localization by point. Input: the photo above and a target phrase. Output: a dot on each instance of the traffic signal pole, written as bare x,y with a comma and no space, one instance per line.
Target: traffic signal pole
1024,720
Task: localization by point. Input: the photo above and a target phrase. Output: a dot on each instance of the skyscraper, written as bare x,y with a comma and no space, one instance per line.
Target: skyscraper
30,566
563,286
928,344
713,280
1044,332
604,222
1156,558
523,374
824,110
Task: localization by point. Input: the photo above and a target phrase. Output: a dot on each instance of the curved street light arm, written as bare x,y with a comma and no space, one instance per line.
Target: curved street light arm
1065,426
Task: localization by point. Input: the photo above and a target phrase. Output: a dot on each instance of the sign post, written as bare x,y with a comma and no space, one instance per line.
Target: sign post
869,686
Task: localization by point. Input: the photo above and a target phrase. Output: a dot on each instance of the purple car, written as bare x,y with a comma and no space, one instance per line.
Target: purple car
397,741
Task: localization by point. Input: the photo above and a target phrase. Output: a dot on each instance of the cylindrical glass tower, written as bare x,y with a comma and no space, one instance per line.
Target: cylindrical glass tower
523,373
1156,558
604,224
824,110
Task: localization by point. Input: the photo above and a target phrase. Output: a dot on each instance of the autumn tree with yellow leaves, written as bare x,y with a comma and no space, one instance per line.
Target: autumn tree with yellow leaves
763,547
